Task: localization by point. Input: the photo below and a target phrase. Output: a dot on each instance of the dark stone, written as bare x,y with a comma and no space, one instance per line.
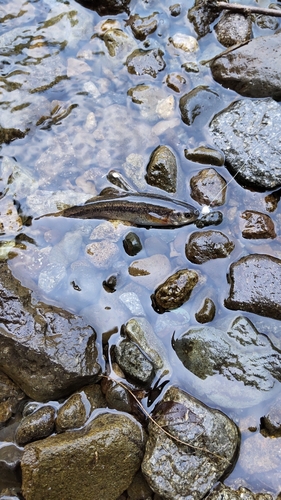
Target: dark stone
233,28
38,425
145,62
270,424
207,311
252,70
110,284
117,396
211,219
143,26
133,362
175,9
201,15
255,285
207,245
247,132
175,82
33,336
72,414
212,442
106,7
175,291
206,155
162,169
10,398
8,135
132,244
208,187
256,225
272,200
198,105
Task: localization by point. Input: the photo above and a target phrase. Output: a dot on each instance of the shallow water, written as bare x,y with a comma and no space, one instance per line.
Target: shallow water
58,81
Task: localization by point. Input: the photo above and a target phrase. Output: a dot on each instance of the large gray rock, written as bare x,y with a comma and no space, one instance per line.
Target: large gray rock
241,364
47,351
180,472
98,461
252,70
248,133
255,285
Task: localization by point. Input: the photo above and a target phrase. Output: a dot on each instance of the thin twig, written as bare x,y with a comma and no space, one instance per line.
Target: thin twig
246,9
205,450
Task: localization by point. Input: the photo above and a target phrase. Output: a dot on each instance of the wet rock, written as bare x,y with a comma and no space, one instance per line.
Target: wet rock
246,132
233,28
10,456
118,43
139,489
150,270
208,187
202,15
186,43
111,447
72,414
38,425
254,285
214,441
207,245
107,7
270,424
198,105
175,291
34,361
240,364
132,244
94,396
110,284
102,253
175,82
251,70
227,493
272,200
162,169
143,26
206,155
266,22
154,102
135,169
210,219
256,225
145,62
8,135
10,397
10,220
133,362
132,302
175,9
206,312
117,396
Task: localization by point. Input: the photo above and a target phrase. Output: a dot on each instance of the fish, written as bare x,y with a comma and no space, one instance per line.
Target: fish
140,209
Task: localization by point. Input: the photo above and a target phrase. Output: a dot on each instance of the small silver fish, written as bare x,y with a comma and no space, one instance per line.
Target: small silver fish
140,209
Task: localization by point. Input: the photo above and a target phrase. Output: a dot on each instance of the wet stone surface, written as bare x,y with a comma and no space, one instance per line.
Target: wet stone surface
162,169
208,187
196,107
174,291
132,361
207,312
72,414
145,62
38,425
206,155
233,28
256,225
207,245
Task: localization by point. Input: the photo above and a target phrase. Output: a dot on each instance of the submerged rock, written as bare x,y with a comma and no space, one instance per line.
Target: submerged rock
208,187
33,336
247,132
255,285
226,493
252,70
256,225
106,7
179,472
143,26
98,461
233,28
206,245
211,219
202,15
198,105
145,62
175,291
162,169
240,364
132,244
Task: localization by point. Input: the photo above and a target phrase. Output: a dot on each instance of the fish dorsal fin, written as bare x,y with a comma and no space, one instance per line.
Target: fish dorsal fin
107,194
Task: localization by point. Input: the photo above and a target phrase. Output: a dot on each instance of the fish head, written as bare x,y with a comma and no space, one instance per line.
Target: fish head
185,216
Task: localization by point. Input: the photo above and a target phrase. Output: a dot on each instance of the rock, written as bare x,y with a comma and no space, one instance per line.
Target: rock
139,489
175,471
201,15
134,169
175,291
145,62
208,187
117,396
240,365
8,135
175,9
143,26
206,155
10,397
233,28
10,220
102,253
206,245
34,361
270,424
254,285
71,414
227,493
10,456
260,458
154,103
256,225
206,312
94,396
110,448
110,284
118,43
251,70
198,105
133,362
246,132
266,22
184,42
38,425
107,7
210,219
272,200
150,270
132,244
162,169
175,82
132,302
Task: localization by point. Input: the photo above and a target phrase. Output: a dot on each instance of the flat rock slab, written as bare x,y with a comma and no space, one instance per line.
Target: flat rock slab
46,350
252,70
180,472
248,132
98,461
255,285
